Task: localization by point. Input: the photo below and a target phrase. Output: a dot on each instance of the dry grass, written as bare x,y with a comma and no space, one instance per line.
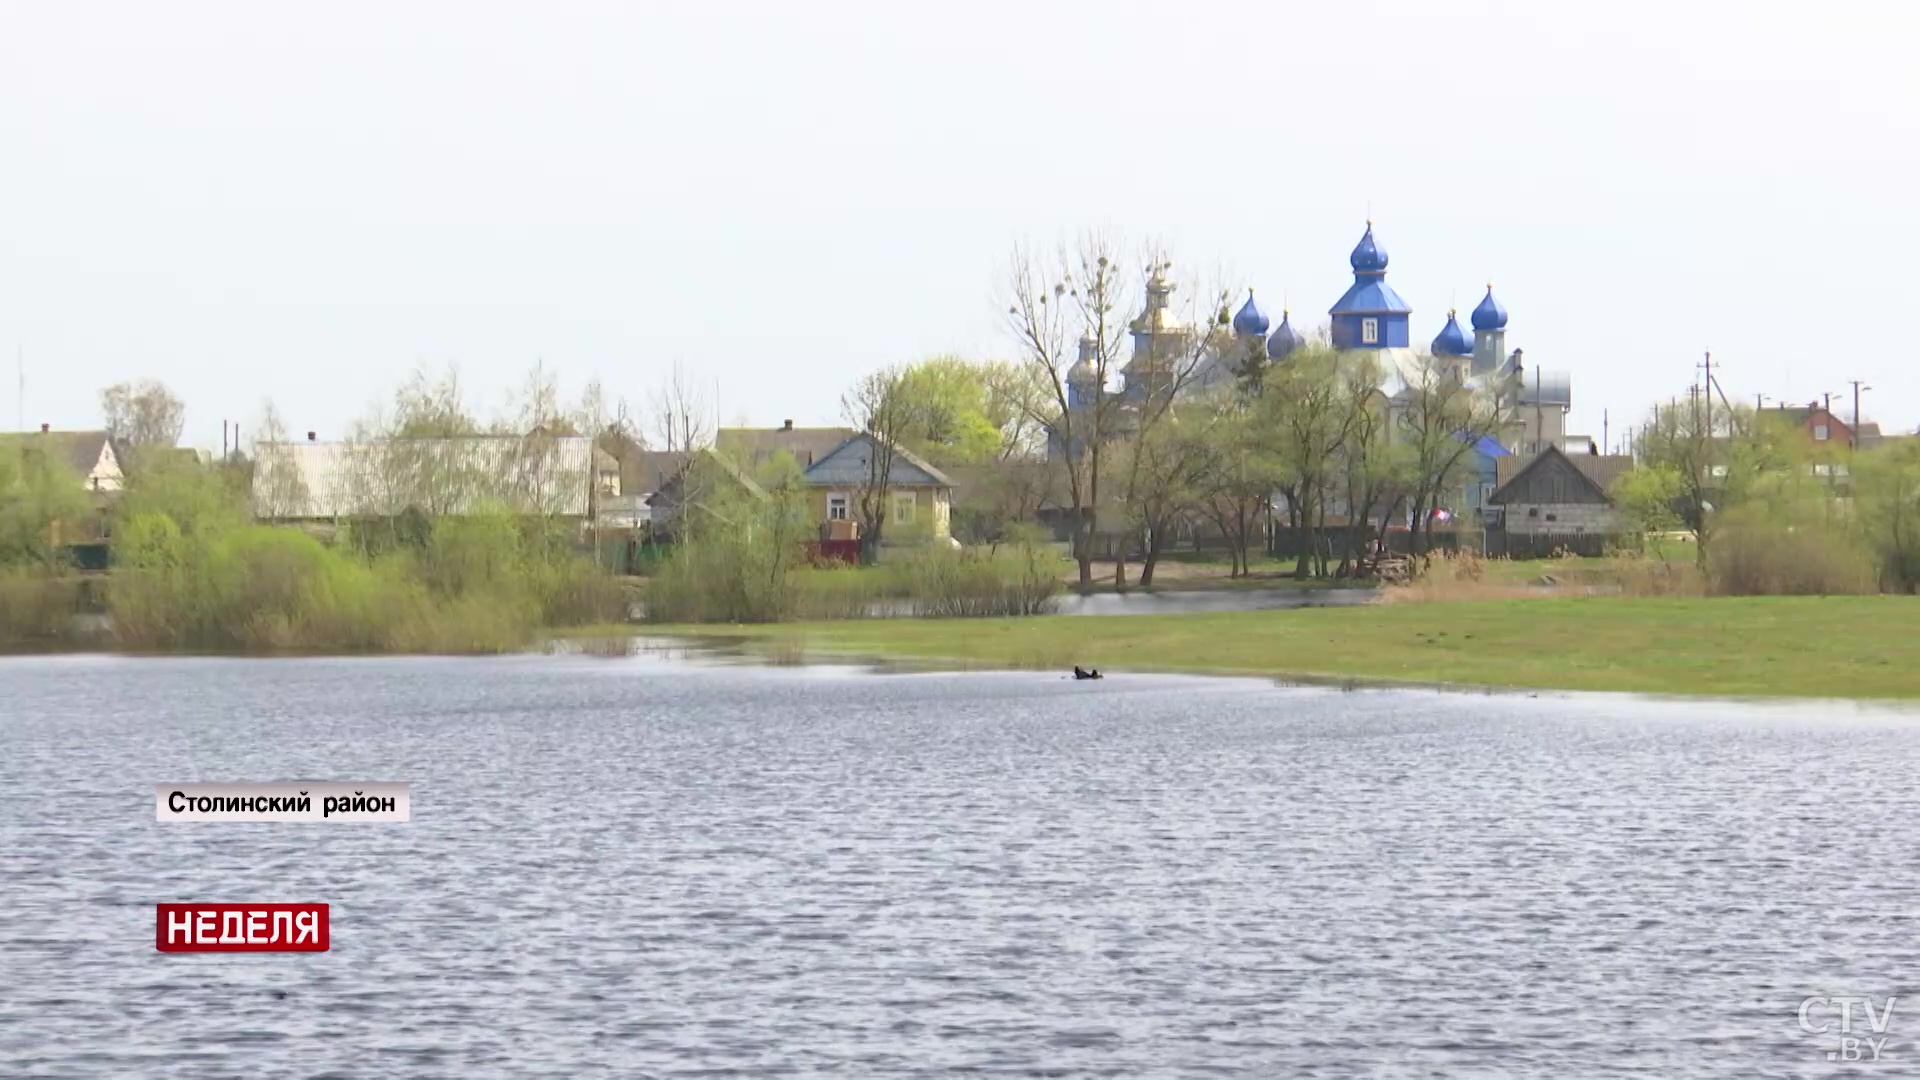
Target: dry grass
1452,577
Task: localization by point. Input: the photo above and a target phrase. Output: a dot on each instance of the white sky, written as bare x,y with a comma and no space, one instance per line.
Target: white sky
250,200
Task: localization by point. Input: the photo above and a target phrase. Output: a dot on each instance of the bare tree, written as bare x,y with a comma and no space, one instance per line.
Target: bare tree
681,415
280,489
1067,318
880,408
1169,353
1064,317
142,417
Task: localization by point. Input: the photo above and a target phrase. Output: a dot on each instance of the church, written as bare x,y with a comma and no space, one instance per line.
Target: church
1369,316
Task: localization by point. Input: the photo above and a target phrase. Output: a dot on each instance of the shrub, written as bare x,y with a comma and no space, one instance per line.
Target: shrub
1760,553
965,584
37,608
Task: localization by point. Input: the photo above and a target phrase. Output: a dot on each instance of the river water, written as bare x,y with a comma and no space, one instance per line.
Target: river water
656,865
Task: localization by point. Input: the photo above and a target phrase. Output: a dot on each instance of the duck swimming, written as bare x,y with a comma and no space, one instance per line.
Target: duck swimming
1079,674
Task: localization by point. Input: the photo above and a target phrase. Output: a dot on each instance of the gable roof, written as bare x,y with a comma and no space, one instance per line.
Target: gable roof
844,464
1598,471
807,445
80,450
336,479
670,489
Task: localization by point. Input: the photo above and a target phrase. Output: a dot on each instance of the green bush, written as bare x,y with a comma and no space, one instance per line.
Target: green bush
965,584
469,585
37,609
1770,551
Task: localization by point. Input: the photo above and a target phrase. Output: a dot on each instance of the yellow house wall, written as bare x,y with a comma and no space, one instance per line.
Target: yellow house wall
938,525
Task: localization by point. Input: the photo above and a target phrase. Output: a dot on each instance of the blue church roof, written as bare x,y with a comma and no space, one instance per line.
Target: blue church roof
1452,340
1368,256
1250,321
1490,315
1285,338
1489,446
1370,296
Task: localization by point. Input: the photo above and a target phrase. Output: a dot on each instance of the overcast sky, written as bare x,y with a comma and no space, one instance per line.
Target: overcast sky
253,200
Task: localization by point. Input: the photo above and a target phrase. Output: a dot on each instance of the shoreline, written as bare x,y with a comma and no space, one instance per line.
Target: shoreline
1837,648
1738,648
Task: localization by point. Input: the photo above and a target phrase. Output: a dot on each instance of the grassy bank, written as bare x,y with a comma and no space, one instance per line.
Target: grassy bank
1761,646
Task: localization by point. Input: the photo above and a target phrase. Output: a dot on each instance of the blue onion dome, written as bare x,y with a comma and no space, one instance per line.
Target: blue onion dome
1452,340
1368,256
1490,315
1250,321
1285,339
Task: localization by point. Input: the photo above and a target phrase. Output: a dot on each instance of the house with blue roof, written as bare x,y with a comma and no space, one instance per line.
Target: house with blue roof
913,499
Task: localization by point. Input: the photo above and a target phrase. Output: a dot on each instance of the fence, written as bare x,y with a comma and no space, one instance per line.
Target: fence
846,551
1502,544
1493,543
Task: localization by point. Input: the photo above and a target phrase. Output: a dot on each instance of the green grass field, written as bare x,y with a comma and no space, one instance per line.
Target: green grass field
1856,647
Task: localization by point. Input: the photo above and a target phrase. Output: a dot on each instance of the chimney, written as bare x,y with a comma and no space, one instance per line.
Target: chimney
786,425
44,428
310,437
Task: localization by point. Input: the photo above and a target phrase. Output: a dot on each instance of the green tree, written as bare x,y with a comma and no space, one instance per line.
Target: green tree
1164,466
1235,478
1887,493
1717,457
948,400
1303,408
39,496
1441,418
1650,496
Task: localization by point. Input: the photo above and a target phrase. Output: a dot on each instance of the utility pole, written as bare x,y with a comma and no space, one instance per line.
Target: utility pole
1604,436
1858,385
1707,364
1538,419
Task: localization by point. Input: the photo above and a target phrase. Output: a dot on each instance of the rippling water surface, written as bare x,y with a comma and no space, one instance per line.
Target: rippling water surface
649,866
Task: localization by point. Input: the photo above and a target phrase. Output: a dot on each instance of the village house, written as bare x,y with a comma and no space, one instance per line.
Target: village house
323,482
919,506
753,448
89,455
90,458
698,491
1557,494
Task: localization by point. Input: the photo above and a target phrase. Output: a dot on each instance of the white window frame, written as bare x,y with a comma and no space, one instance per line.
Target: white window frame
907,501
837,501
1820,432
1369,331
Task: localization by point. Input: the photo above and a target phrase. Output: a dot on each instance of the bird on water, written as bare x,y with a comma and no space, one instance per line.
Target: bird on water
1079,674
